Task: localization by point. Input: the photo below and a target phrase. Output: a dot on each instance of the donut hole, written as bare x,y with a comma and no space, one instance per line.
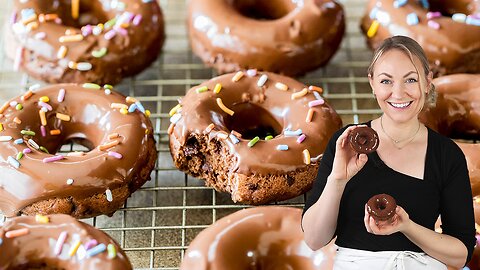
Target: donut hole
75,145
381,204
264,9
251,120
448,8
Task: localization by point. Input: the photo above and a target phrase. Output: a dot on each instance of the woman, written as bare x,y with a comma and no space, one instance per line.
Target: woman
425,172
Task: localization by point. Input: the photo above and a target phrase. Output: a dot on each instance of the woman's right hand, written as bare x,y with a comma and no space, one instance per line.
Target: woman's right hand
347,162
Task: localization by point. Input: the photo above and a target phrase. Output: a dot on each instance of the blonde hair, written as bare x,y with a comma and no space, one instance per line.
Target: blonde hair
411,48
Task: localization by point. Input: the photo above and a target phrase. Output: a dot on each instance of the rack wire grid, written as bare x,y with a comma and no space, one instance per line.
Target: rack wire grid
159,220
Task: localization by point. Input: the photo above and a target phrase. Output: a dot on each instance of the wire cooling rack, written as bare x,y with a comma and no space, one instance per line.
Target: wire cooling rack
159,221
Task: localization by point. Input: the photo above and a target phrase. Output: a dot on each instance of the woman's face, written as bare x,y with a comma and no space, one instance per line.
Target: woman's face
396,84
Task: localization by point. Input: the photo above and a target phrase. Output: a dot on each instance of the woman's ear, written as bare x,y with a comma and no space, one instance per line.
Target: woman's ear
370,81
429,81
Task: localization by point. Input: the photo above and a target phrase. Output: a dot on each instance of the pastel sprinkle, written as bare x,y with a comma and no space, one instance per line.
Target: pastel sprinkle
84,66
459,17
27,132
201,89
61,95
412,19
309,117
252,72
234,139
372,30
292,133
306,156
96,250
90,244
108,145
222,135
62,52
253,141
28,94
115,154
109,195
1,127
217,88
175,118
433,24
76,154
19,107
282,147
317,102
237,76
5,138
53,159
281,86
137,19
44,99
70,38
13,103
27,151
43,130
12,161
99,53
119,106
42,219
45,105
124,111
132,108
147,113
75,9
110,34
262,80
74,248
107,92
63,117
55,132
17,233
269,137
43,149
140,106
91,86
299,94
112,252
209,128
432,15
174,110
69,181
425,4
399,3
472,20
19,155
60,241
17,120
40,35
108,86
301,138
223,107
314,88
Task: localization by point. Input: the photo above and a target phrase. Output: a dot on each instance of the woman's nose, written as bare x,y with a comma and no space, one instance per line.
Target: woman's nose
398,90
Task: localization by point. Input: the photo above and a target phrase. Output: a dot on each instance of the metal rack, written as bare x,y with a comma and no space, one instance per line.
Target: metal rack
159,221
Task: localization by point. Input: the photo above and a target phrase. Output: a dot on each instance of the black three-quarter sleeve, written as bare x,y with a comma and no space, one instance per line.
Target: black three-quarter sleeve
456,207
324,171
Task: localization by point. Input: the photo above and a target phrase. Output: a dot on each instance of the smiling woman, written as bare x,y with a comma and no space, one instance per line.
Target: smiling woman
425,172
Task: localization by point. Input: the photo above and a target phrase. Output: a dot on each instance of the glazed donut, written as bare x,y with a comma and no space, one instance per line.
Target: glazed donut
84,41
381,207
282,36
36,179
364,140
48,242
255,142
448,31
457,115
268,237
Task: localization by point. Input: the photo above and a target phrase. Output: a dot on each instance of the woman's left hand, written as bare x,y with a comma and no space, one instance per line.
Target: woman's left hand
398,223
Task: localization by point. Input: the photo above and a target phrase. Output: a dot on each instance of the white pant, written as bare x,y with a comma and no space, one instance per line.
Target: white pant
351,259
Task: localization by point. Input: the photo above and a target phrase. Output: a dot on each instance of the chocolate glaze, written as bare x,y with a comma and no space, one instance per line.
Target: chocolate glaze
363,140
457,115
92,119
37,247
268,237
453,48
126,54
199,110
290,37
381,207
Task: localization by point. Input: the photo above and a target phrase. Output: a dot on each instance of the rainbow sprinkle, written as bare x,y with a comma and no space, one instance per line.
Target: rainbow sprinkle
223,107
115,154
17,233
253,141
74,248
60,242
237,76
61,95
96,250
12,161
90,244
53,159
262,80
42,219
282,147
109,195
112,252
301,138
292,133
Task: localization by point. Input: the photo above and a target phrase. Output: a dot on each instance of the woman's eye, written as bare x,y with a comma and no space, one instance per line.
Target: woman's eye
385,81
411,80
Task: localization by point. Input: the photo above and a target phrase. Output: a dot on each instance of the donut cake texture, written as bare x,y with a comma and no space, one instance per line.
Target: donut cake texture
282,36
82,41
57,242
266,237
256,135
448,31
457,115
35,178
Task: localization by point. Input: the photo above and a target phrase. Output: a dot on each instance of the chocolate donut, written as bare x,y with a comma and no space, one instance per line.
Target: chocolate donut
282,36
457,115
364,140
84,41
268,237
58,242
252,135
38,179
448,31
381,207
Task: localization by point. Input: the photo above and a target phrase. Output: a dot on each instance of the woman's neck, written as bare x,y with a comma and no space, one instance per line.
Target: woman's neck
398,132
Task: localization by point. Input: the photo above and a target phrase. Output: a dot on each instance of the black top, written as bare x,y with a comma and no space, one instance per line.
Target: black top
445,190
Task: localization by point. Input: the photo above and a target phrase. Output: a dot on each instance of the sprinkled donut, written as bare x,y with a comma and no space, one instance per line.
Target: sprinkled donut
255,135
448,31
457,115
268,237
282,36
37,179
84,41
364,140
381,207
58,242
